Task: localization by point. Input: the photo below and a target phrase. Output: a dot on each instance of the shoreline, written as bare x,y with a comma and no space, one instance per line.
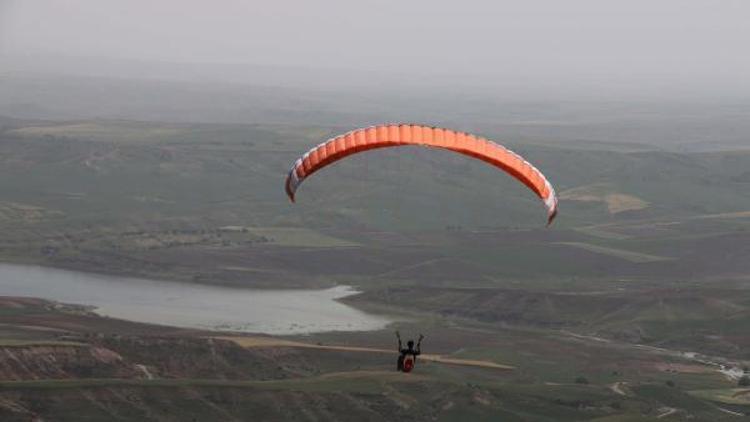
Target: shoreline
205,307
164,276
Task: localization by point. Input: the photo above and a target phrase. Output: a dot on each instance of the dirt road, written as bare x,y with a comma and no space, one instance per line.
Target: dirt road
250,342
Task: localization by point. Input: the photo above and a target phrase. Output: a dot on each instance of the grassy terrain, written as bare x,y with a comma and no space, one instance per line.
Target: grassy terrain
163,375
204,203
623,310
635,257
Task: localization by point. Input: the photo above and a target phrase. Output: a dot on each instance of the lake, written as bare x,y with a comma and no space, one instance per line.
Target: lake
279,312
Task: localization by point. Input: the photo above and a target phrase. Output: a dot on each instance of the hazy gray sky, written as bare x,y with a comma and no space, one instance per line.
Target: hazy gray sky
692,41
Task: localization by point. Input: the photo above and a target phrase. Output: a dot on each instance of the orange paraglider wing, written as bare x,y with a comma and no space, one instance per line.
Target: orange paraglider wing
384,136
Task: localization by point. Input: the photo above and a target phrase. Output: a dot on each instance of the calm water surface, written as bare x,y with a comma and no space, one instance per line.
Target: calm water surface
194,306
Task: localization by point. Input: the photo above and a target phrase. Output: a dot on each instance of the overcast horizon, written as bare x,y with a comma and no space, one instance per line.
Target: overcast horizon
678,47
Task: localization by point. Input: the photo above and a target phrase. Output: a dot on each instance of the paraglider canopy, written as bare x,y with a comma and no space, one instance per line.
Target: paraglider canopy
384,136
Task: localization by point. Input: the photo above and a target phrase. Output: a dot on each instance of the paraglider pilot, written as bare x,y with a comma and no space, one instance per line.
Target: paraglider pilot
408,356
